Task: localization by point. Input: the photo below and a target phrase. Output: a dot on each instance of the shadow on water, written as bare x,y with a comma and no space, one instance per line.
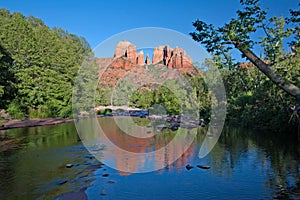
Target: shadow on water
244,165
276,155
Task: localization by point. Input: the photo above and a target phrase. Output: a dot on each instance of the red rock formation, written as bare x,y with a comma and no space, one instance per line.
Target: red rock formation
122,63
130,53
158,54
173,58
179,59
147,60
126,58
247,65
140,58
104,62
121,48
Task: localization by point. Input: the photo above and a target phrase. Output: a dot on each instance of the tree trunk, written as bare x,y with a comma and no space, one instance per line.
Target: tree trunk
285,85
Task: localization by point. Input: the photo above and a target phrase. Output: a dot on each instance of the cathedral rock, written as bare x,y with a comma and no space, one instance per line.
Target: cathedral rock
126,58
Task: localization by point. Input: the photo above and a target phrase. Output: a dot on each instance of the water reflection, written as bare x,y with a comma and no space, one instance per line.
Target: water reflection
129,153
244,165
33,163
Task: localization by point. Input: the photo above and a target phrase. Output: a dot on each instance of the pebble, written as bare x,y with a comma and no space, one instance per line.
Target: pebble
69,165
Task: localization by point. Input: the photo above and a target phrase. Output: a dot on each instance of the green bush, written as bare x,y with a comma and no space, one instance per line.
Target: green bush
66,112
41,112
104,112
15,110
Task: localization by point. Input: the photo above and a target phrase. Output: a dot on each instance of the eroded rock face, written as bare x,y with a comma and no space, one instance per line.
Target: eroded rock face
173,58
126,58
140,58
148,60
131,53
158,54
121,48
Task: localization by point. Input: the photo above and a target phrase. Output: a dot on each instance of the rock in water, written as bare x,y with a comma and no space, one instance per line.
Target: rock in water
102,193
69,165
188,167
203,166
111,181
63,181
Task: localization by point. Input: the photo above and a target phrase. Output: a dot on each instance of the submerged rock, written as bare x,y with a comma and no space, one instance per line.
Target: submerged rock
61,182
89,157
111,181
203,166
188,167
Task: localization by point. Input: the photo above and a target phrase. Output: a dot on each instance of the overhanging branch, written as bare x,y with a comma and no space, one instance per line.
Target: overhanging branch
285,85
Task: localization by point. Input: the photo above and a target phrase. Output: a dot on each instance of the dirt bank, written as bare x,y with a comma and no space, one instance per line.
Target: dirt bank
33,122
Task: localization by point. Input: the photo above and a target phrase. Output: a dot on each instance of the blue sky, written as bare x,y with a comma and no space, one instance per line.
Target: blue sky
99,20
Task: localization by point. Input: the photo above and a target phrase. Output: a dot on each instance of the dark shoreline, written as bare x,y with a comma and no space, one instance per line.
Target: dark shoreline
16,123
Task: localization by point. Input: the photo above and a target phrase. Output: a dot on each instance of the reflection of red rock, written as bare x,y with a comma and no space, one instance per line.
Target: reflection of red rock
142,145
125,59
172,152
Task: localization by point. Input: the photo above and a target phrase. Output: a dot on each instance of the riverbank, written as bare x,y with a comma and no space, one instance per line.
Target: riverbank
16,123
170,121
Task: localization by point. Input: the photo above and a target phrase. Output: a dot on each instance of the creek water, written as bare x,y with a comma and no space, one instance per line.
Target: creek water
244,164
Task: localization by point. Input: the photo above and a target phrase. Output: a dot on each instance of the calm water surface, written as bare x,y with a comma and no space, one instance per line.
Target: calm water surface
244,165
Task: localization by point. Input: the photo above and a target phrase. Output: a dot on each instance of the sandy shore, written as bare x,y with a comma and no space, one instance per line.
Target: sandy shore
33,122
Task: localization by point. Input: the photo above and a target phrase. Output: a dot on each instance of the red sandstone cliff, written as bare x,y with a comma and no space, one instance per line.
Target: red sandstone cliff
127,58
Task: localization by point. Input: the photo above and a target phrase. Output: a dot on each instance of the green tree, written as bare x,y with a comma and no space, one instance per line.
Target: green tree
42,64
237,34
254,99
7,79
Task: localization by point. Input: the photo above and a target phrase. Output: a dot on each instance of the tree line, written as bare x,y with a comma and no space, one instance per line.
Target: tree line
37,66
266,93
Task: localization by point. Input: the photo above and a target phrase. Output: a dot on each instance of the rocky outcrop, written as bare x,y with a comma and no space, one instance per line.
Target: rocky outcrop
127,58
130,54
158,54
121,48
140,58
173,58
147,60
125,49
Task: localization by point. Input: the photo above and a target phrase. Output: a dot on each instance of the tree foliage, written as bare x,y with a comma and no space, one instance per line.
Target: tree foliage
38,65
238,34
255,98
